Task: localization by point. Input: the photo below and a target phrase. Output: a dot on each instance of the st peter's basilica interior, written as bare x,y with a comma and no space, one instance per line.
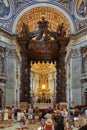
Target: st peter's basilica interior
43,52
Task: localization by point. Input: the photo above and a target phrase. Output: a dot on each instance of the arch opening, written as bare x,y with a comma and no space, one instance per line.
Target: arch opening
53,14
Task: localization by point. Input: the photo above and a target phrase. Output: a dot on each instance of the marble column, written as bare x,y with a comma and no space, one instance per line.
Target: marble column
76,59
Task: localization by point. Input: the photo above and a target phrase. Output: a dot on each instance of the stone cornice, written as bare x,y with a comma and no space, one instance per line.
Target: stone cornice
7,34
79,36
10,39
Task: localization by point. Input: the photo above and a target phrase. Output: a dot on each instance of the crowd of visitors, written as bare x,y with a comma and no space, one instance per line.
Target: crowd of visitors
50,119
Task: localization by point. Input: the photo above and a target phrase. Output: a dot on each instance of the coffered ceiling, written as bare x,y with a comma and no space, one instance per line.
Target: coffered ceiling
53,16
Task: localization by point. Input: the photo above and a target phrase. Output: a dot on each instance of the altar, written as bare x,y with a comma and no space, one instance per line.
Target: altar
43,105
43,92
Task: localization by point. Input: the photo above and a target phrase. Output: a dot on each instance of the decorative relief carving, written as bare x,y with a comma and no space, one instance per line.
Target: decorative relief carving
10,52
75,52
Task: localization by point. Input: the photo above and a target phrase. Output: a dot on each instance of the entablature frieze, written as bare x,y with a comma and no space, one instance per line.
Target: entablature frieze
43,50
79,37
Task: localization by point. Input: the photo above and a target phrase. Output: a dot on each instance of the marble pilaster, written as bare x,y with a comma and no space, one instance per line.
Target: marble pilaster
76,63
11,83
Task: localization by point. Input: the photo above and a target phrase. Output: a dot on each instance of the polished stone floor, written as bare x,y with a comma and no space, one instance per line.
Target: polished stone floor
11,126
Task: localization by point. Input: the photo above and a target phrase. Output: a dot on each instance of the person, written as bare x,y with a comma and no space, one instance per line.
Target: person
65,112
58,121
21,119
42,123
30,114
36,112
43,118
13,114
71,124
49,124
86,112
50,110
70,116
5,114
48,115
83,128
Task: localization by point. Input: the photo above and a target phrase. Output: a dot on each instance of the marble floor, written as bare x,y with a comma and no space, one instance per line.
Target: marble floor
15,126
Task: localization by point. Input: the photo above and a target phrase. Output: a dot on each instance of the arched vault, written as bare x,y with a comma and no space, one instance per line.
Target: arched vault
55,14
